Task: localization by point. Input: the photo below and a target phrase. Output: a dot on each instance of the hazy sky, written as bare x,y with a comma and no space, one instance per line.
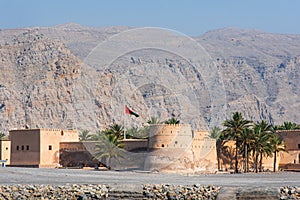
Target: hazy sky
189,17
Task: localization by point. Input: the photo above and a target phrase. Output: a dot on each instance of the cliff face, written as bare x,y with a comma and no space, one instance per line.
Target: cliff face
45,81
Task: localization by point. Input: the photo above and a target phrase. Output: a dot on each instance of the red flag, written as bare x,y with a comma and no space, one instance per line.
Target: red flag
130,112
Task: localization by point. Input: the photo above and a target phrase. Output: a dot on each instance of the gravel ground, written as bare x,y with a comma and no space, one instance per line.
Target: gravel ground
12,175
233,186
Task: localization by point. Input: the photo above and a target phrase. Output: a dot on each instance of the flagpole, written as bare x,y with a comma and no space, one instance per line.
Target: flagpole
124,137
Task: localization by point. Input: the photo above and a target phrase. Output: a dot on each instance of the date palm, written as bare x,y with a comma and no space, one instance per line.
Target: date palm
172,121
154,120
2,136
85,135
233,130
268,133
277,146
109,148
245,141
216,133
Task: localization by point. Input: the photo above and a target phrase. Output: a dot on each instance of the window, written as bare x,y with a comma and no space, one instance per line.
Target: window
62,133
22,147
50,147
17,148
27,147
162,145
298,146
6,148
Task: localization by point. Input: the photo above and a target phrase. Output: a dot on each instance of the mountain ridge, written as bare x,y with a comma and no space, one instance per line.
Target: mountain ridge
260,72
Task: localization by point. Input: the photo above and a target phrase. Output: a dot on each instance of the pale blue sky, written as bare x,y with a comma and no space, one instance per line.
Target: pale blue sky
189,17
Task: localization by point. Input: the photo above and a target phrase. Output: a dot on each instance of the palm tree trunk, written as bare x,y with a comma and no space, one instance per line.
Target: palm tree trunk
256,162
236,157
246,158
275,160
260,162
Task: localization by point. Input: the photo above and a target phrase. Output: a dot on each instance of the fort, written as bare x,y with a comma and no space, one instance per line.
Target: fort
168,147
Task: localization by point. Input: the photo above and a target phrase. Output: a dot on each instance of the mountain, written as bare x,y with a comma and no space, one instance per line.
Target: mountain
58,77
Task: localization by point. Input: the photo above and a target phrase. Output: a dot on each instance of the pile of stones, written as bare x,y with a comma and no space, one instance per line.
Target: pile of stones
89,191
290,192
166,191
74,191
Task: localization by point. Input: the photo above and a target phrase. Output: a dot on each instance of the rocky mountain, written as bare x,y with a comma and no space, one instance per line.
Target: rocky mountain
71,76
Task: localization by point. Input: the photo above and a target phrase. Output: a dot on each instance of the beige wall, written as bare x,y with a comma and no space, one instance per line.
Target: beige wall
170,136
5,151
178,148
292,142
25,146
39,147
135,144
50,145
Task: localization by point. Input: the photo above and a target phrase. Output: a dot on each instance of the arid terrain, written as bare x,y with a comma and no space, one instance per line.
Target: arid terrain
47,79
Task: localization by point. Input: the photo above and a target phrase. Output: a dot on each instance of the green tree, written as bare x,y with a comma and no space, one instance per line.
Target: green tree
245,141
85,135
289,126
117,130
137,133
216,133
109,148
154,120
261,145
267,133
2,136
277,146
172,121
233,130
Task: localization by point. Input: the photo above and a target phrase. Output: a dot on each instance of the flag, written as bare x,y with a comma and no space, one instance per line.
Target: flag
130,112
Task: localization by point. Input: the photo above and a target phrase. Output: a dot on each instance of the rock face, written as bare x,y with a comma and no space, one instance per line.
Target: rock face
46,82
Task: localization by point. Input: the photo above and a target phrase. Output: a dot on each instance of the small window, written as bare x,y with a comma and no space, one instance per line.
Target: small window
298,146
17,148
22,147
50,147
27,147
6,148
162,145
62,133
176,142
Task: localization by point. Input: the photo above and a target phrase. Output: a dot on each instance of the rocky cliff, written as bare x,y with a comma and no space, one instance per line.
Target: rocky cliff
46,81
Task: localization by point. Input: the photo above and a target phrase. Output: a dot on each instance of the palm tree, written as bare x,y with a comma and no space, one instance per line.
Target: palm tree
246,139
216,133
109,148
172,121
85,135
154,120
117,130
277,146
288,126
136,132
261,145
267,133
2,136
234,129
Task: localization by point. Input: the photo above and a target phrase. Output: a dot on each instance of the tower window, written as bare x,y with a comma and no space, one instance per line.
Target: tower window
162,145
17,148
22,147
50,147
298,146
27,147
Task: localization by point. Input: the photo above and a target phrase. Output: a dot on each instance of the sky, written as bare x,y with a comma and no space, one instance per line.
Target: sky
191,17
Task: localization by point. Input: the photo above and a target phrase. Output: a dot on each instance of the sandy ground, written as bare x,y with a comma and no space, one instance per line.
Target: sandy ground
134,179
